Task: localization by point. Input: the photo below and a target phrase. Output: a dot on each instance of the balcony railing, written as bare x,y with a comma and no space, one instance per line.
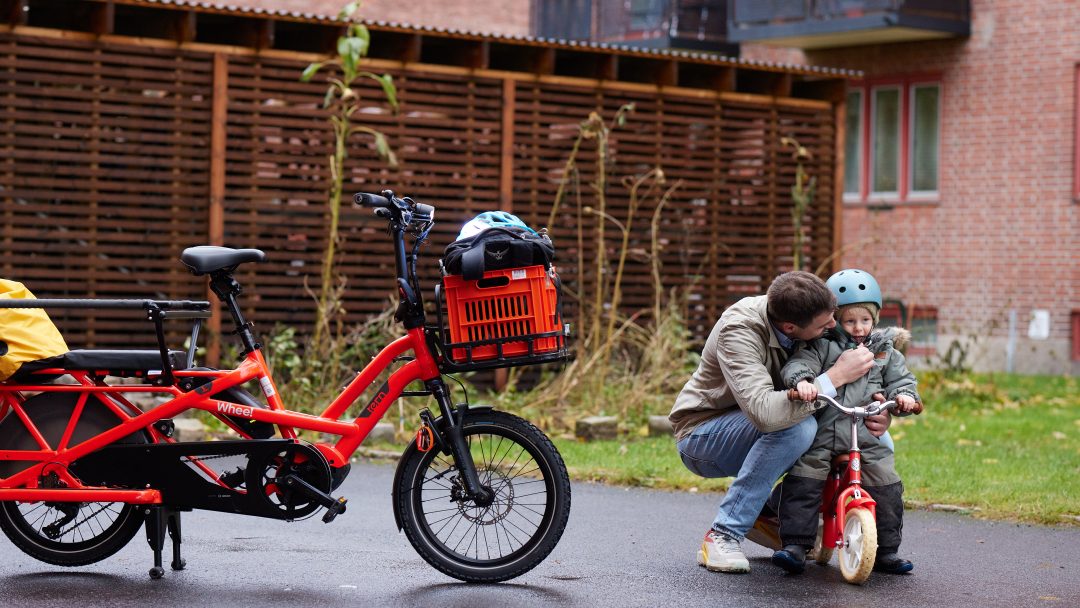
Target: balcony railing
699,24
812,24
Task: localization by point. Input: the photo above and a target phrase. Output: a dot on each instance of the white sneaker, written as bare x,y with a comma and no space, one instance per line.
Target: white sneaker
721,553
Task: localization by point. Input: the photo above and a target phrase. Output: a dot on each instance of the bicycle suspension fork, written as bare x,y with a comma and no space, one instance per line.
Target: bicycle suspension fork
453,437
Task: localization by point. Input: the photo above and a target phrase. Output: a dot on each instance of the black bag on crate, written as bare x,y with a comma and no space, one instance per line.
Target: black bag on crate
497,248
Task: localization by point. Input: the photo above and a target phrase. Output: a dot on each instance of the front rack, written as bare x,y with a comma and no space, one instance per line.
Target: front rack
526,349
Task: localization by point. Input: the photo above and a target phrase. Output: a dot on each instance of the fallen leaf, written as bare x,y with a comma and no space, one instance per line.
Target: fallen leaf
1049,598
1059,435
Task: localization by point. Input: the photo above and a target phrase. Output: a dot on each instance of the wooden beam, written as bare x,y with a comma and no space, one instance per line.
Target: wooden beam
782,85
183,28
506,164
667,73
17,12
725,79
839,120
480,55
544,61
607,66
411,48
264,34
218,119
103,18
506,172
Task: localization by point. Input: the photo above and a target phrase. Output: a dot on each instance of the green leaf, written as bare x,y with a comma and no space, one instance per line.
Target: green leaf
381,145
349,9
387,83
343,46
310,71
361,33
329,97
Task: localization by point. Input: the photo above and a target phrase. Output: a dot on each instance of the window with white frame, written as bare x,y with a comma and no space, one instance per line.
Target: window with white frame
893,140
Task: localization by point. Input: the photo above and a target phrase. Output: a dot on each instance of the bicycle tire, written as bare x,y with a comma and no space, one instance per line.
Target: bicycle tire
500,443
101,529
821,553
857,554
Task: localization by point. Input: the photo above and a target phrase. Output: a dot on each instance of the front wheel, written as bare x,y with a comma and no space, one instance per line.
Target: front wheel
493,542
859,550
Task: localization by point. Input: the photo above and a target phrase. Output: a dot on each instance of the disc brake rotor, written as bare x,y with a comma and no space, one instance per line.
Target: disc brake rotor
499,508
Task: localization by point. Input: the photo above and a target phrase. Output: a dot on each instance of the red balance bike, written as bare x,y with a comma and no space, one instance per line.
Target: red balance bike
848,512
482,495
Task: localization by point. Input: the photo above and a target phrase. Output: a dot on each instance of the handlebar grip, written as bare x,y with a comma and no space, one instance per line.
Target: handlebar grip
371,200
793,395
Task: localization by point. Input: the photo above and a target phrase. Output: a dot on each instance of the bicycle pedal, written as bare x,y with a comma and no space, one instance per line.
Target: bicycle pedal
334,510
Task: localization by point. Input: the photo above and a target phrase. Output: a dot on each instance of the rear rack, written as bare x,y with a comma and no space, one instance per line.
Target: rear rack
156,310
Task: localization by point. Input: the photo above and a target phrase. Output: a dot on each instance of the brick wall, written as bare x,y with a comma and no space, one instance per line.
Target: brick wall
489,16
1005,234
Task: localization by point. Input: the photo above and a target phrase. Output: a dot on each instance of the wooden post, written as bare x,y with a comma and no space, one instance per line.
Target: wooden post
506,175
840,120
218,117
103,18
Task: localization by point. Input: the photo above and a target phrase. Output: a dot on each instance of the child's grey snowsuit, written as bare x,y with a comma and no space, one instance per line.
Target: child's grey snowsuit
800,493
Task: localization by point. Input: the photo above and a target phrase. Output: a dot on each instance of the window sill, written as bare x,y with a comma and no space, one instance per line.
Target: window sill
887,205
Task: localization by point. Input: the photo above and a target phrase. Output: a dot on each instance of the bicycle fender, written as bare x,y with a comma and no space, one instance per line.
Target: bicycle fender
409,452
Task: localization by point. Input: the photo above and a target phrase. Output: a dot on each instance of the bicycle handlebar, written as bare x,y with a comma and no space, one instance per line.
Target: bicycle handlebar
870,409
367,199
411,214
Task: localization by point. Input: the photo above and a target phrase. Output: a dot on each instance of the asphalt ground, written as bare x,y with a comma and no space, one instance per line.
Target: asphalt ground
623,547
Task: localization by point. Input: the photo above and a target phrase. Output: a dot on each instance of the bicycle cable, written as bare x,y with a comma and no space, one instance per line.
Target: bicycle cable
462,384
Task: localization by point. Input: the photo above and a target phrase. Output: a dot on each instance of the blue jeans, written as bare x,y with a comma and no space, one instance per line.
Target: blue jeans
729,445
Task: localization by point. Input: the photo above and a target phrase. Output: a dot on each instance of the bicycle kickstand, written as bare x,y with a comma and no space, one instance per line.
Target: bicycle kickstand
160,519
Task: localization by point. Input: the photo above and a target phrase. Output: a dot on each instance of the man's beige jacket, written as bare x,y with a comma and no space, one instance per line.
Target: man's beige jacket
740,366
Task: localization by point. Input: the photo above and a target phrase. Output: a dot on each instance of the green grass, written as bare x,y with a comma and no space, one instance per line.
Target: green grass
647,462
1004,446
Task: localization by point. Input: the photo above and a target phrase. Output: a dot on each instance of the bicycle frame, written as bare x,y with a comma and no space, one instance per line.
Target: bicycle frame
843,490
253,367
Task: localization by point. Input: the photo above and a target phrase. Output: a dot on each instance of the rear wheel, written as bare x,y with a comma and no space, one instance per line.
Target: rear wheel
64,533
500,540
822,554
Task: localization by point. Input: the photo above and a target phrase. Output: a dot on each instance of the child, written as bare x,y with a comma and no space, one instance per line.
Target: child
859,303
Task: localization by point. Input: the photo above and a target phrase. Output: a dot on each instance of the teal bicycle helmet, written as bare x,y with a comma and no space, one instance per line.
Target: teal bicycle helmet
853,286
491,219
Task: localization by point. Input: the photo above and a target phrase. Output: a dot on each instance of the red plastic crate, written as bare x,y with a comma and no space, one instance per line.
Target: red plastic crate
510,303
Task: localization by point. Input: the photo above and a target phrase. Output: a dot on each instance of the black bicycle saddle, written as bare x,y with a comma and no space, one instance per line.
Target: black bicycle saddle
205,258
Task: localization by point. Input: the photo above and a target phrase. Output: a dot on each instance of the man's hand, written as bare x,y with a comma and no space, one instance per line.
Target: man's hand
850,366
878,423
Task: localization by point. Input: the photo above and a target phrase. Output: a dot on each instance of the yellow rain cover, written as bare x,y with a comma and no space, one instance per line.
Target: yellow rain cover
26,334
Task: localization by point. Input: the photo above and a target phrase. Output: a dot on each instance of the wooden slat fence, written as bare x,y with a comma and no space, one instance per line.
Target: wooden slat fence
105,176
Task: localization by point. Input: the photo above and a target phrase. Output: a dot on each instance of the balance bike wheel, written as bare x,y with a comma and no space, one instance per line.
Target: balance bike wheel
821,554
859,550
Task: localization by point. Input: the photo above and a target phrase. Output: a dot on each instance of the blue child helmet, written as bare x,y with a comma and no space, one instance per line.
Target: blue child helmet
491,219
853,286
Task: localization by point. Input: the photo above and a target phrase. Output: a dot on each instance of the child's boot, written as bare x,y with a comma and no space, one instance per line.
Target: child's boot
792,558
890,562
